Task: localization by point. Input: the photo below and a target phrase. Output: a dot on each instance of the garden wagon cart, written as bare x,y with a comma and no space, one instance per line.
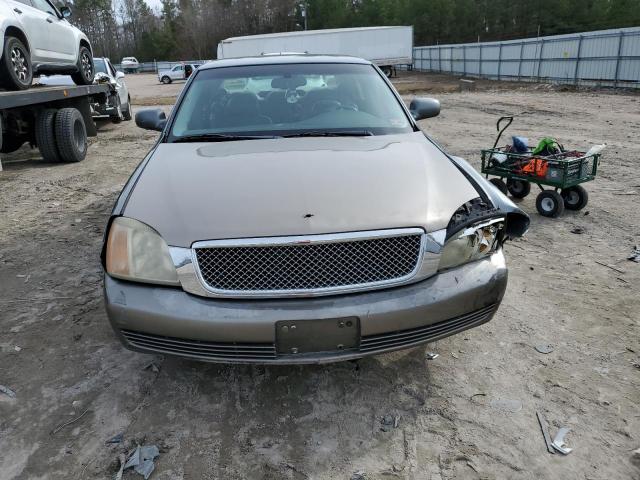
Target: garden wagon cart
563,171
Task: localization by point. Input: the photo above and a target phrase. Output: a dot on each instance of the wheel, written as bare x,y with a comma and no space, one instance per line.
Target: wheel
127,114
46,135
86,72
518,188
575,198
166,80
388,71
117,118
71,135
500,185
549,203
16,72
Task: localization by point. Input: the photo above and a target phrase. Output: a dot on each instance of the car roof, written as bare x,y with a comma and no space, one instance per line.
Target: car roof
283,59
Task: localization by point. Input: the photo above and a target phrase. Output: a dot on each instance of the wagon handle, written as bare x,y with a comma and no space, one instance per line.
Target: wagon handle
500,131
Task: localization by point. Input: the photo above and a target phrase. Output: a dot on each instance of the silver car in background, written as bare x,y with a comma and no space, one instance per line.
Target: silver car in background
292,211
177,72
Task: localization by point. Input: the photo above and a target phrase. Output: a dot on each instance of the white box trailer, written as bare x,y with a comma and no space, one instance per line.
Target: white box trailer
384,46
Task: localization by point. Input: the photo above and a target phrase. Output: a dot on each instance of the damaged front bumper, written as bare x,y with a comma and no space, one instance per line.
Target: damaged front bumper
155,319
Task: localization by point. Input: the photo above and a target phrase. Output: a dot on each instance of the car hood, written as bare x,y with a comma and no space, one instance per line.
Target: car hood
298,186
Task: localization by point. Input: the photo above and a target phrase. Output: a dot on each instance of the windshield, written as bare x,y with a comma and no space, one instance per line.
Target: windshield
289,99
99,65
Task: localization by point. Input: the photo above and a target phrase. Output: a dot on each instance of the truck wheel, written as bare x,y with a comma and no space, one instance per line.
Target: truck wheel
388,71
500,185
575,198
46,135
71,135
86,72
16,72
127,113
549,204
166,80
518,188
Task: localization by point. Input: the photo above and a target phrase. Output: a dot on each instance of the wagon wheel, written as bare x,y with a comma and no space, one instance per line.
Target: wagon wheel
549,203
518,188
575,198
500,185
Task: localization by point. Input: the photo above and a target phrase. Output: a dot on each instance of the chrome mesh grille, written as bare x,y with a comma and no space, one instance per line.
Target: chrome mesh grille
305,267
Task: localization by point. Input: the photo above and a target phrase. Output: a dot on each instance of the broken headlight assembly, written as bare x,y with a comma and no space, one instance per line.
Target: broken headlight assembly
136,252
471,243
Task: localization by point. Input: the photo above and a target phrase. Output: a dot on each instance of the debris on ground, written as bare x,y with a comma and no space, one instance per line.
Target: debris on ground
432,355
60,427
506,404
559,443
115,439
544,348
635,254
141,460
7,391
578,230
153,366
635,457
389,421
359,475
545,432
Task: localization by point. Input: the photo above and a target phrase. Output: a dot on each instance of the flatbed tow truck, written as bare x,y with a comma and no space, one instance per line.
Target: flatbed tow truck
56,120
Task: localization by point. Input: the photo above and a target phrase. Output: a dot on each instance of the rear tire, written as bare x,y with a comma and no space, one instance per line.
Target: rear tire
16,72
549,203
86,70
575,198
46,136
71,135
388,71
518,188
500,185
166,80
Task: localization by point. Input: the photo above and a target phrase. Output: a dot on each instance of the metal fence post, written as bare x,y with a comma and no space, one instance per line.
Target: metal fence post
575,72
480,62
520,62
620,37
439,58
540,59
464,60
499,59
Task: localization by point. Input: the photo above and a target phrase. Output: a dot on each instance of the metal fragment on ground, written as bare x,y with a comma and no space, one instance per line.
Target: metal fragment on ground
545,432
635,254
116,438
544,348
559,443
7,391
432,355
141,460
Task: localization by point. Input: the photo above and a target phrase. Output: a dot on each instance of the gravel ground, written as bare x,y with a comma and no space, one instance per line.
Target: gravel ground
469,413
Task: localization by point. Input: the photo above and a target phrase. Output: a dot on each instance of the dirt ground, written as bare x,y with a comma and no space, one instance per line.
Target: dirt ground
470,413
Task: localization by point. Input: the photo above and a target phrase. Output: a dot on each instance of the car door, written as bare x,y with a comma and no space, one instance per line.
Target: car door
34,23
62,42
177,72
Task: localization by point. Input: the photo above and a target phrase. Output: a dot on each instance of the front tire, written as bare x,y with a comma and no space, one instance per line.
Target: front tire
166,80
86,71
71,135
16,72
549,203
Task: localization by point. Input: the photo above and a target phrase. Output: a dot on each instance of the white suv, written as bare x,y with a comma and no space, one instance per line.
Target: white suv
36,38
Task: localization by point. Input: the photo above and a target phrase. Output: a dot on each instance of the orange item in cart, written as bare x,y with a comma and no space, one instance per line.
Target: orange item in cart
536,167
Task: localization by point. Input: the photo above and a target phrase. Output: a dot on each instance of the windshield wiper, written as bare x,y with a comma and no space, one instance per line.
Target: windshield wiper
322,133
219,137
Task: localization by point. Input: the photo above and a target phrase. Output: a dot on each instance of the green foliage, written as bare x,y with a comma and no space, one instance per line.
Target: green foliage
190,29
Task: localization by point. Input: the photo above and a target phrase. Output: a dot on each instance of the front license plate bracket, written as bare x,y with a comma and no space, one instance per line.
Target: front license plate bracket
316,336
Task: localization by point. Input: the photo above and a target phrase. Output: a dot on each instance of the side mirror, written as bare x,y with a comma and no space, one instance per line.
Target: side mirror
422,108
151,119
119,75
65,12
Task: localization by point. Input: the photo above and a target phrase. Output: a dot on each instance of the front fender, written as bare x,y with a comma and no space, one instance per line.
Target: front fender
517,220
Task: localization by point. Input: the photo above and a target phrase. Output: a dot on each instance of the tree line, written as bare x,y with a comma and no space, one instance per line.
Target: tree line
191,29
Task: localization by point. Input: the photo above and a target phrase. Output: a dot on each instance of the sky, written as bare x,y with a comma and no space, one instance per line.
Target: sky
154,4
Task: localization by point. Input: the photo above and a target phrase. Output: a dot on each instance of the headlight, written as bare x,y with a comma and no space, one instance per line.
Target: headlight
472,243
136,252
